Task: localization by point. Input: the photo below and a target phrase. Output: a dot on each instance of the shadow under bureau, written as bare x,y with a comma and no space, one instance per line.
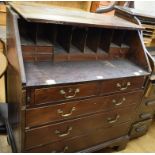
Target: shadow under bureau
75,79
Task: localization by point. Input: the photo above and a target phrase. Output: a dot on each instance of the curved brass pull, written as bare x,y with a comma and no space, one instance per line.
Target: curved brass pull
57,132
122,87
118,103
64,150
110,120
77,90
66,115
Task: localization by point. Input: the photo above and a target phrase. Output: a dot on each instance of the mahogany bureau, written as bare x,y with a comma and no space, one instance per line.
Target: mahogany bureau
75,79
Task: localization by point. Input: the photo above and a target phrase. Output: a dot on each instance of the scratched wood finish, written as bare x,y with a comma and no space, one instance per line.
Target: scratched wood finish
65,93
102,70
88,124
84,142
57,15
44,115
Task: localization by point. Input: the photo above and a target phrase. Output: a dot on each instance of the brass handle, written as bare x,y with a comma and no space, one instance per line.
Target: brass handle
118,103
122,87
62,92
66,115
57,132
110,120
64,150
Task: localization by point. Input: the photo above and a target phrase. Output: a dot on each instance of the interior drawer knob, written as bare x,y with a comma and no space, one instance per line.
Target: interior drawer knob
70,91
118,103
66,115
123,86
111,120
57,132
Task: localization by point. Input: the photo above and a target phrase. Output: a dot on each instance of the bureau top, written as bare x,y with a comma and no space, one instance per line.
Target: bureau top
45,14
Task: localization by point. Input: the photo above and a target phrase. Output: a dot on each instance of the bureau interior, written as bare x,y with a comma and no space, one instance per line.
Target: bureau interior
70,42
52,50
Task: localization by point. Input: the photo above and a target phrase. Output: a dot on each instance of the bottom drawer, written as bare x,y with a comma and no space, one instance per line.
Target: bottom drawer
84,142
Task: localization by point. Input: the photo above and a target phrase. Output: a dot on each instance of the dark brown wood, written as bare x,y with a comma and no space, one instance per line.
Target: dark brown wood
75,80
122,85
47,114
93,34
71,17
79,38
15,81
83,142
140,128
119,68
65,93
77,127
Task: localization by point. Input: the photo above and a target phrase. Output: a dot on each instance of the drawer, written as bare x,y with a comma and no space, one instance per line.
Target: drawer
122,85
37,49
140,128
77,127
84,142
28,48
61,93
44,49
56,112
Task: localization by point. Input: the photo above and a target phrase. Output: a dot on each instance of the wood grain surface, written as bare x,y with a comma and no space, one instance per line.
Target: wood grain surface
44,73
62,16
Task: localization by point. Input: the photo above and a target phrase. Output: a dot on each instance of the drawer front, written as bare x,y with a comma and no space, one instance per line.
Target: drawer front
122,85
77,127
44,49
38,116
38,49
28,48
60,93
84,142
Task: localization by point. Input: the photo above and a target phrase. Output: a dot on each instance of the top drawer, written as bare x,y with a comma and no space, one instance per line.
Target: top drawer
61,93
121,85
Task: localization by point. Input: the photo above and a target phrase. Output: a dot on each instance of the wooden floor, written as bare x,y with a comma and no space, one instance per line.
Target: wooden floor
143,144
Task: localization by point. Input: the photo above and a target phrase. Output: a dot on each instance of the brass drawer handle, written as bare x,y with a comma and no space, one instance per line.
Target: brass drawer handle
118,103
62,92
66,115
57,132
110,120
64,150
122,86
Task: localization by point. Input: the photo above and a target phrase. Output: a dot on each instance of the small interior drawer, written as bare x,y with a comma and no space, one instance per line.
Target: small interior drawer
83,142
61,93
122,85
77,127
57,112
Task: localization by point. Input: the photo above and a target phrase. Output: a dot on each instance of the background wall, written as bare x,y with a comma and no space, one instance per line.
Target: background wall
147,6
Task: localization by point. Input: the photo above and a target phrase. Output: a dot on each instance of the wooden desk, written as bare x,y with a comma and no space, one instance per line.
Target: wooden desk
78,79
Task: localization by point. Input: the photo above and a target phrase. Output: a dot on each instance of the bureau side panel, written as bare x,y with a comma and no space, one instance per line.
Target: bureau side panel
15,91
